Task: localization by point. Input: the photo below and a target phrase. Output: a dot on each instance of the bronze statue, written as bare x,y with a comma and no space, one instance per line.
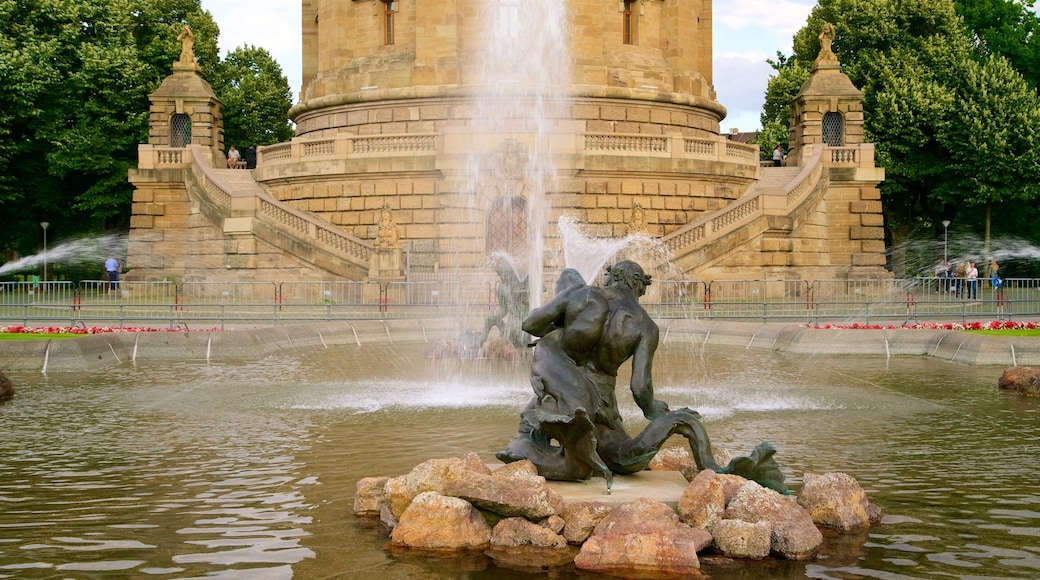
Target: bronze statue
511,293
586,333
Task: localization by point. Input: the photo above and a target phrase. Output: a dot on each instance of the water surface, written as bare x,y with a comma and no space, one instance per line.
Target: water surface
247,470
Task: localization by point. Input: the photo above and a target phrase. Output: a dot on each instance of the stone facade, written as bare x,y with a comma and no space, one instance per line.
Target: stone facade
394,127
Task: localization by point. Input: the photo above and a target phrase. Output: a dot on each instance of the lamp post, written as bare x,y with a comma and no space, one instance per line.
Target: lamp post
44,226
946,225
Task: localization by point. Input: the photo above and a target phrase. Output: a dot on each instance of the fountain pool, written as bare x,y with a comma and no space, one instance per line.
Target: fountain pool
247,469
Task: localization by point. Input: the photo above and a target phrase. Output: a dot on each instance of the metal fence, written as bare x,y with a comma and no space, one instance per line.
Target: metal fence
130,303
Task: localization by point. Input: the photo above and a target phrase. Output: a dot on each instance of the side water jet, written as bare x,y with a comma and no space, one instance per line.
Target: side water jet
77,251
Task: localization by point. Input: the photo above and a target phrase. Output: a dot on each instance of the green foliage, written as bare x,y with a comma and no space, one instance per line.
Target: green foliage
74,82
955,124
256,98
1006,28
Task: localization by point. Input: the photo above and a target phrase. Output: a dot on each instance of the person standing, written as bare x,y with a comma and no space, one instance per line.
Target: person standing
112,268
778,156
232,157
251,157
971,275
997,282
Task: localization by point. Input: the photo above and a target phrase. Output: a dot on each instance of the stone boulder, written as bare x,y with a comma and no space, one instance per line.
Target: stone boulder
835,500
703,502
515,489
1025,380
518,532
581,517
793,534
433,522
644,536
369,497
740,539
674,459
431,475
6,388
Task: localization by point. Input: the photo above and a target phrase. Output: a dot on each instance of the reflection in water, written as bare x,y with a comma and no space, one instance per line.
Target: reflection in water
248,470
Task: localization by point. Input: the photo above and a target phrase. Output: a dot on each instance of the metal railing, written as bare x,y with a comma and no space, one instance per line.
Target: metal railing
133,303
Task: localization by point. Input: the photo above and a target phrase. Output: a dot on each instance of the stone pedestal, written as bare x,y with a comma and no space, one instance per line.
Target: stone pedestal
386,263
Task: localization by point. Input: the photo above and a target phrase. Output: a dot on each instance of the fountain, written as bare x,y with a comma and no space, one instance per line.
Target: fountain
75,251
147,469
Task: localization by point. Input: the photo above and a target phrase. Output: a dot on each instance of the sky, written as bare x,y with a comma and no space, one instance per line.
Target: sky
746,33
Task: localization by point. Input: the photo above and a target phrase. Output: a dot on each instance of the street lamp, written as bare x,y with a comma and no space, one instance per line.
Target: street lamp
44,226
946,224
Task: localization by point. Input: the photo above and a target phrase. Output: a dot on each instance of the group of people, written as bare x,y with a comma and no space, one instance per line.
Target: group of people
964,277
234,157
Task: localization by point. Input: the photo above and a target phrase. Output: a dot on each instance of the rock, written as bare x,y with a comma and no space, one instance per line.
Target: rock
518,532
740,539
431,475
674,459
703,501
369,496
580,519
793,534
501,349
515,489
554,523
438,523
6,388
640,537
1025,380
835,500
731,484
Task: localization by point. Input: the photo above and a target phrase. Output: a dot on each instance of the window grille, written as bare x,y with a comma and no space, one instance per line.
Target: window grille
507,227
833,129
180,130
389,11
627,23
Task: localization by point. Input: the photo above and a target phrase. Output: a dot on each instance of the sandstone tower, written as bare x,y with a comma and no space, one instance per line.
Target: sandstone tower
398,169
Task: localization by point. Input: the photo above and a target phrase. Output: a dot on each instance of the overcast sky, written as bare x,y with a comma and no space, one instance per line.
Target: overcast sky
747,32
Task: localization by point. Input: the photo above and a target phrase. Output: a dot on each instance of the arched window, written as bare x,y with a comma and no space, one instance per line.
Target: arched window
628,22
507,227
833,129
180,130
389,10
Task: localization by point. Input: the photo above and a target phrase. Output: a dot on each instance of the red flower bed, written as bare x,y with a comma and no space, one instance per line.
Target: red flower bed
81,329
992,325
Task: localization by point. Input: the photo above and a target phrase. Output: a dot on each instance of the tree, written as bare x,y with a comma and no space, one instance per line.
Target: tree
955,130
776,114
256,98
1006,28
74,82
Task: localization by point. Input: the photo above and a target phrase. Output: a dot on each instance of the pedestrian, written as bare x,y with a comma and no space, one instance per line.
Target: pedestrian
232,157
971,277
997,283
778,156
251,157
112,268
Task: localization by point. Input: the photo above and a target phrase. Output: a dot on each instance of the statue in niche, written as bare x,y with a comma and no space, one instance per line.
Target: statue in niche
187,40
572,429
386,234
638,223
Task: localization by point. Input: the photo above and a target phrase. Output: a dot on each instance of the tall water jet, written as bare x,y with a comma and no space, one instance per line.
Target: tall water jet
519,97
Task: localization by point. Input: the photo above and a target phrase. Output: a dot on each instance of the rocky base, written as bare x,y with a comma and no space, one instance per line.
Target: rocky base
6,388
1025,380
458,505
